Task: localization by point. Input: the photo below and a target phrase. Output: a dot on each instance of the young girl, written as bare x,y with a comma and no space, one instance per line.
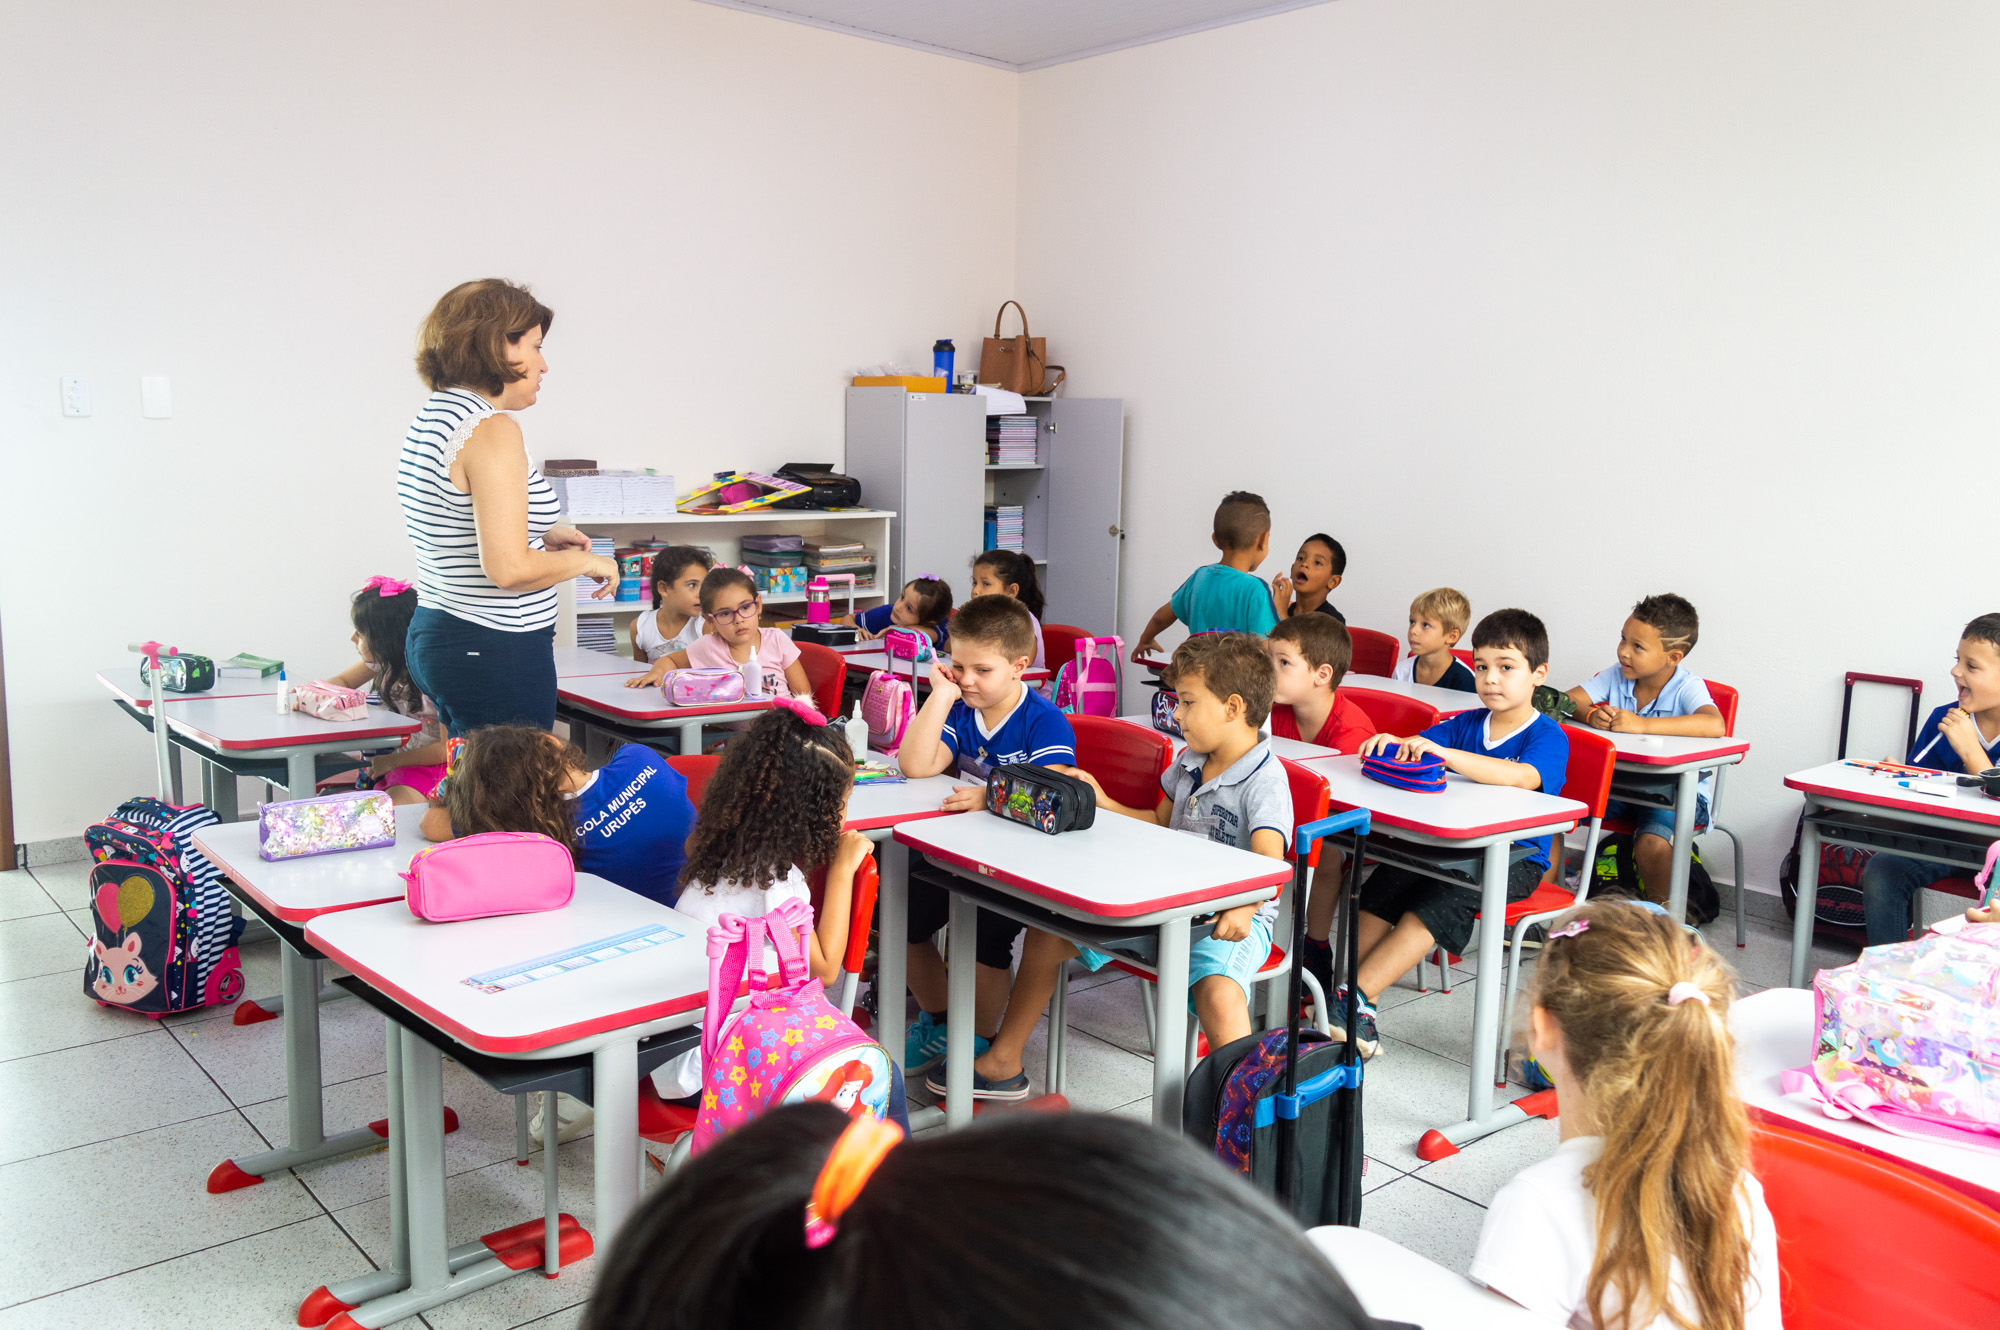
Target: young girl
1005,573
776,801
923,604
1019,1220
381,613
1644,1218
730,604
674,623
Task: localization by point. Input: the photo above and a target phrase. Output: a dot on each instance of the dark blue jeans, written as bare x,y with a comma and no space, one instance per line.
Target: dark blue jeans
481,676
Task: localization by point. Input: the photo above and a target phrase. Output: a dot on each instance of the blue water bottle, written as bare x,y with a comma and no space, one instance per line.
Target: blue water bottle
942,355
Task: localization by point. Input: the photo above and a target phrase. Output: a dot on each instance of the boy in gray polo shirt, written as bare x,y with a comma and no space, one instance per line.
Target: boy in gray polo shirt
1227,786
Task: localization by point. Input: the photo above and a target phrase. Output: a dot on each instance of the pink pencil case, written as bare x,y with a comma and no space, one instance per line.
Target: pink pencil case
329,701
351,820
702,687
495,872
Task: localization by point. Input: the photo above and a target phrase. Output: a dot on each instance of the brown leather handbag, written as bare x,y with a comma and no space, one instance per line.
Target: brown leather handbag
1018,364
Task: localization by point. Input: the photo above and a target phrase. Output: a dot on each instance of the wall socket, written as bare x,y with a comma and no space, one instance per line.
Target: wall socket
75,395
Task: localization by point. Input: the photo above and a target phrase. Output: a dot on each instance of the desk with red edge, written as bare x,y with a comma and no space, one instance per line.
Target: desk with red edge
595,700
1936,819
1776,1031
599,1011
1117,878
1445,701
1437,834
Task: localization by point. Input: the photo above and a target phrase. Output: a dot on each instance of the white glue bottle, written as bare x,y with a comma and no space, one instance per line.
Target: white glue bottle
753,677
283,696
857,734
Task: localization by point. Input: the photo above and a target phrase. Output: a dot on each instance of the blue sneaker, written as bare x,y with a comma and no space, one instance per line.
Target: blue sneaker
1011,1090
1367,1042
923,1045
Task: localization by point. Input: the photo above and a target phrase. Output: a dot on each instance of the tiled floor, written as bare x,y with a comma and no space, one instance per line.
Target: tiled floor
117,1121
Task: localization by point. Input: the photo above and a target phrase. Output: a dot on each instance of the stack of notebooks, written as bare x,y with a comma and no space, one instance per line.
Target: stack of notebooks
246,666
826,555
616,494
596,632
608,547
1004,527
1010,440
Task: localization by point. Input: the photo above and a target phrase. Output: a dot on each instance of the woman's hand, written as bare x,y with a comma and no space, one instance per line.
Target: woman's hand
605,569
565,538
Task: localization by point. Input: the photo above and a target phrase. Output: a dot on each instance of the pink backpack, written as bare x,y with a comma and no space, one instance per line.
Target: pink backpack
790,1045
908,644
888,705
702,687
1088,685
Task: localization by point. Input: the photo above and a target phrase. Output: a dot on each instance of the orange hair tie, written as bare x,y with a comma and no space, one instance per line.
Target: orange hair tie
852,1161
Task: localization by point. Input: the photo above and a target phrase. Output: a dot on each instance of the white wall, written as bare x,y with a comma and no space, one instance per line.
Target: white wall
1562,304
728,215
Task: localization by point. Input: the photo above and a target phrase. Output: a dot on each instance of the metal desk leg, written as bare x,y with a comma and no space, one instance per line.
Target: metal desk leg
615,1140
690,732
301,774
551,1175
1802,922
1685,788
1170,1016
892,923
962,988
218,790
328,1301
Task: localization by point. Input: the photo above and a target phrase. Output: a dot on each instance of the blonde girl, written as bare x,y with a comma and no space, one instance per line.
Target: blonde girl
1645,1218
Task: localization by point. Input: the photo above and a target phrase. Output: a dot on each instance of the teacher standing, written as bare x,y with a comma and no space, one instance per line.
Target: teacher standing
490,558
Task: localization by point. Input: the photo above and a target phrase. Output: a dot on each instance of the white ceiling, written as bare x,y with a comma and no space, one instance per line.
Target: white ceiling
1016,34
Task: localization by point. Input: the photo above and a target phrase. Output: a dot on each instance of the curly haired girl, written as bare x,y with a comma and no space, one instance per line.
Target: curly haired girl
1645,1218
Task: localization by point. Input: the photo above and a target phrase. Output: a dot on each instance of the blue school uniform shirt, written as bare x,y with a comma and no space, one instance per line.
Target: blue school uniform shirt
878,621
1540,743
632,823
1221,599
1034,731
1683,695
1933,750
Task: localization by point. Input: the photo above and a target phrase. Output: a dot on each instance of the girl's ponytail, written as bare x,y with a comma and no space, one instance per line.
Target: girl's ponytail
1643,1007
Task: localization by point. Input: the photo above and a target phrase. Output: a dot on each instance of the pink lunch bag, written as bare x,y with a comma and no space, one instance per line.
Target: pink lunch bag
702,687
330,701
495,872
790,1045
888,705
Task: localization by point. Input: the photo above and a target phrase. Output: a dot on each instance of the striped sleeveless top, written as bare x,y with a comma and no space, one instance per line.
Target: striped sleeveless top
439,520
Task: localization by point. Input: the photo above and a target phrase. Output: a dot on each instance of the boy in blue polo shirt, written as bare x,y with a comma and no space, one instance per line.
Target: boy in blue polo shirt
1404,914
1649,691
1963,736
979,716
1226,596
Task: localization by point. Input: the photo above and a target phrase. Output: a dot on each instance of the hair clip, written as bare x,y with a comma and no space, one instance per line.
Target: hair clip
1685,990
1574,928
852,1161
928,577
387,586
799,707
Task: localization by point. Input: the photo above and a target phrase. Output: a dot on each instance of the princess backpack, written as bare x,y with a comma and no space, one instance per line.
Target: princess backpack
790,1045
1088,685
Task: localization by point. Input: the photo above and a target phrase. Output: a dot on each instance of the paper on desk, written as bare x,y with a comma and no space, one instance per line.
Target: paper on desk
1000,402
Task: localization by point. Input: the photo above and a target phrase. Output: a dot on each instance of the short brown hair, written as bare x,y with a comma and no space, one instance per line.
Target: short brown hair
1240,518
1515,630
463,344
1000,622
1449,607
1986,628
1228,665
1673,618
1321,640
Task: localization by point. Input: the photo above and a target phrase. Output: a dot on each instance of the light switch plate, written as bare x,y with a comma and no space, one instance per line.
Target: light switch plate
75,395
156,397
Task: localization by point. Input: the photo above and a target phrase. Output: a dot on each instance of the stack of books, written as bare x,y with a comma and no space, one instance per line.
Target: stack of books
826,555
246,666
615,493
1005,527
608,547
1010,440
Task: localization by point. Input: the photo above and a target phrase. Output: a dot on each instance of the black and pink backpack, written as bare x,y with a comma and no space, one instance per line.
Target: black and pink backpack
164,938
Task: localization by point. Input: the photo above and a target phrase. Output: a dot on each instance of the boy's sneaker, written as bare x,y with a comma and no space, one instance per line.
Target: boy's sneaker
1011,1090
573,1118
1366,1041
924,1044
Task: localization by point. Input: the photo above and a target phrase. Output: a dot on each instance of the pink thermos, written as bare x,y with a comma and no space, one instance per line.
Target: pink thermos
819,596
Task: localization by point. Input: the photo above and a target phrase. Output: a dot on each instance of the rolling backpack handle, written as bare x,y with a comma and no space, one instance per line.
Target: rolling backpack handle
152,651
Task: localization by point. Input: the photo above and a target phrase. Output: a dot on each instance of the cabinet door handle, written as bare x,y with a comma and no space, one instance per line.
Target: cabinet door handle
1114,531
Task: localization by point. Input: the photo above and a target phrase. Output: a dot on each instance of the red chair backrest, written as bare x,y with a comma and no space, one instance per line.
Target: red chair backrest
696,769
1059,645
1311,798
1391,713
1588,777
861,915
1725,702
1464,657
1126,759
1947,1244
826,671
1374,653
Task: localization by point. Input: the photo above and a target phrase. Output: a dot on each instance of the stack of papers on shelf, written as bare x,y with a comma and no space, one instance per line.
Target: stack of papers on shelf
597,632
618,494
1005,528
1010,440
608,547
823,549
246,666
646,495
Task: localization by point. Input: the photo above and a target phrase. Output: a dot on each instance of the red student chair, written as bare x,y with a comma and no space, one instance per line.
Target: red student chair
1464,657
1059,645
1945,1242
1374,653
1391,713
697,769
826,671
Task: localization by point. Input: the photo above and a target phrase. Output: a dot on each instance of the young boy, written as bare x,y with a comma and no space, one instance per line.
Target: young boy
1961,736
1317,570
1227,786
1404,914
1649,691
1437,620
978,716
1226,596
1309,656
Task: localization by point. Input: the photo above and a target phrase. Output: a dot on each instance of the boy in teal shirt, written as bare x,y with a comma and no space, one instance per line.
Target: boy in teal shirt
1226,596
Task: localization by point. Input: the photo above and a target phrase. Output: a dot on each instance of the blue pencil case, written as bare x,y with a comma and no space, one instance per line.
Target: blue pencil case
1423,776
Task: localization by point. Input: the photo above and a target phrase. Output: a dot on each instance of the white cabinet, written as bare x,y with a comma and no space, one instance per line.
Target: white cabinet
924,456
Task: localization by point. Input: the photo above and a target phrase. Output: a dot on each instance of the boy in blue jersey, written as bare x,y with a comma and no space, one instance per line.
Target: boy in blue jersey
1404,914
1649,691
1961,736
1226,596
979,716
